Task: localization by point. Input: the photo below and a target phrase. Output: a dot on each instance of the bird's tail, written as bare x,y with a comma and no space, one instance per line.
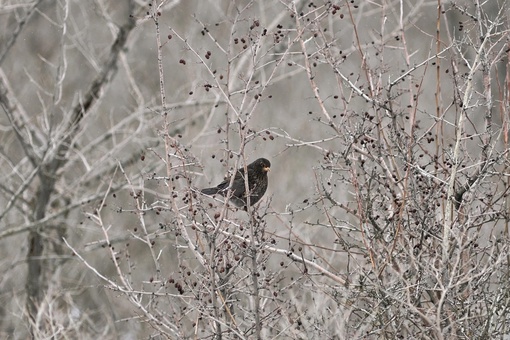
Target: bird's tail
210,191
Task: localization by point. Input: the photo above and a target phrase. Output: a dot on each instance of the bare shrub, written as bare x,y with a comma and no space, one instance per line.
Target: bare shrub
386,125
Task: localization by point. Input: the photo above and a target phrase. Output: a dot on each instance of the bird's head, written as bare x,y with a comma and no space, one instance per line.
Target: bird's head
263,164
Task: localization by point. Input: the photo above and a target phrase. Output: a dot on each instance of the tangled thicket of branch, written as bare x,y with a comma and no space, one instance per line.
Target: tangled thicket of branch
386,214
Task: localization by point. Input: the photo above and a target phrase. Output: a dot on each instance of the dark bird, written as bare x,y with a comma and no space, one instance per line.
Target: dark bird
257,182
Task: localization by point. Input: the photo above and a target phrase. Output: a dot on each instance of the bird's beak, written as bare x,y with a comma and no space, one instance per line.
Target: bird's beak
267,169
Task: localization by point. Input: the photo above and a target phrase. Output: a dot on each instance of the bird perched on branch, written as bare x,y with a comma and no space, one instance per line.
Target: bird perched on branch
257,182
